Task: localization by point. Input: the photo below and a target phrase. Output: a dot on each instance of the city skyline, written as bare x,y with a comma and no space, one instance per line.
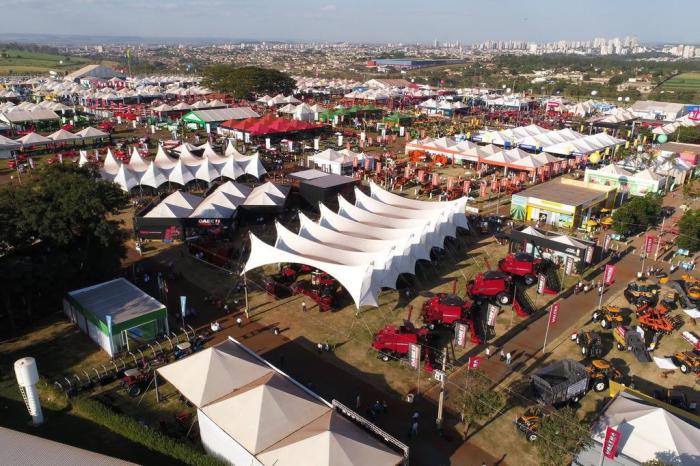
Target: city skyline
361,21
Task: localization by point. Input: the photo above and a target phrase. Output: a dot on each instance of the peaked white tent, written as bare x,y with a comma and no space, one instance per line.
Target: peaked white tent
33,139
62,135
163,160
153,176
91,133
137,163
394,230
111,164
206,172
125,178
180,174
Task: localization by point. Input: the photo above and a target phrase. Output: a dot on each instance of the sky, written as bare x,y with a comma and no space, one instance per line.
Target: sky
360,20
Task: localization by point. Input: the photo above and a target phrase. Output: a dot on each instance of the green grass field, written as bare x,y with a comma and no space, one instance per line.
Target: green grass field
15,61
683,82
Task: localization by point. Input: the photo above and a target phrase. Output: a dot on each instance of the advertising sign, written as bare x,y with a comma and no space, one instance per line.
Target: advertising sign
606,243
541,283
414,355
493,313
649,243
460,334
569,265
611,443
482,190
554,314
609,274
474,362
589,254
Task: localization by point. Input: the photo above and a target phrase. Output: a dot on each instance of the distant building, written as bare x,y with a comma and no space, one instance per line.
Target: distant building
410,63
660,111
93,71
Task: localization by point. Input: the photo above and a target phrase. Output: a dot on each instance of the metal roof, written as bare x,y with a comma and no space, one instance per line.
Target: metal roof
119,298
223,114
556,191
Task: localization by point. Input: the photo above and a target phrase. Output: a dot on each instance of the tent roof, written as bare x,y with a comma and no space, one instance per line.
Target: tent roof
63,135
330,440
273,408
213,373
649,431
118,298
91,132
33,138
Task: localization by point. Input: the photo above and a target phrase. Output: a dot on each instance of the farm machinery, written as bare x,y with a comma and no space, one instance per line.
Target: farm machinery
692,287
688,361
448,309
639,293
626,339
566,381
322,288
591,343
135,381
491,285
393,342
656,319
522,265
529,422
608,316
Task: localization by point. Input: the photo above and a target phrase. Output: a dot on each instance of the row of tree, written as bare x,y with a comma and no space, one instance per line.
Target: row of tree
56,235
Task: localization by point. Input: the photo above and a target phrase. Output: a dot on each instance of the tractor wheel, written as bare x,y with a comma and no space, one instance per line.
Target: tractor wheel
620,347
431,326
502,298
529,279
685,369
584,350
134,390
599,386
595,317
578,339
605,323
386,357
531,437
575,399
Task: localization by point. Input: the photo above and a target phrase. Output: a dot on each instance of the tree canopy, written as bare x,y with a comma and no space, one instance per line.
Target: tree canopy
562,435
689,229
55,235
248,81
477,400
637,214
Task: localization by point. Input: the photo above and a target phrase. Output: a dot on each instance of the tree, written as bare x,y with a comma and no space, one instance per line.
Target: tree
637,214
562,435
478,400
248,81
689,229
55,235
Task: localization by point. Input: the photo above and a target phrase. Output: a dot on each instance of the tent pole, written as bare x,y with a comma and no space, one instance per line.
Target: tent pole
245,290
155,379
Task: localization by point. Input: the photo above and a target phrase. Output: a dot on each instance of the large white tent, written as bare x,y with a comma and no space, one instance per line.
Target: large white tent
251,413
407,228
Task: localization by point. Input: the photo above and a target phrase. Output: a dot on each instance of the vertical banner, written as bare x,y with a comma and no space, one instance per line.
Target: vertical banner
363,136
611,443
474,362
493,313
208,128
589,254
414,355
183,305
649,242
268,143
460,334
541,283
247,138
554,314
606,242
402,131
340,140
482,189
609,274
316,143
569,265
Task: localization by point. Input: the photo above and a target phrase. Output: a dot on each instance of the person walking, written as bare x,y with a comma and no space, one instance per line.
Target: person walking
414,429
357,402
303,306
502,355
509,358
239,321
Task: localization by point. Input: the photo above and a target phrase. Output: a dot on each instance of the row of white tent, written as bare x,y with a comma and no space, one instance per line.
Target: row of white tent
29,106
365,246
334,161
432,104
306,84
36,139
222,203
208,167
184,106
303,111
279,99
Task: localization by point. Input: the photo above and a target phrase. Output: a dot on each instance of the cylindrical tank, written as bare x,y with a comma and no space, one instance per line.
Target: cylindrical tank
27,377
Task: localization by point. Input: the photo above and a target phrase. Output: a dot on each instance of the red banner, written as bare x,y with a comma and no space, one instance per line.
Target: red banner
611,443
460,334
475,362
541,283
482,190
649,243
414,355
553,314
609,274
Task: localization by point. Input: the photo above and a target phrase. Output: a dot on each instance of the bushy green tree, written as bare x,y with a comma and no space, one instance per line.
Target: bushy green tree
562,435
248,81
689,229
478,400
637,214
55,235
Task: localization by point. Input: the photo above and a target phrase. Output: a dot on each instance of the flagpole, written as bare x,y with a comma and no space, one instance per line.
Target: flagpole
546,333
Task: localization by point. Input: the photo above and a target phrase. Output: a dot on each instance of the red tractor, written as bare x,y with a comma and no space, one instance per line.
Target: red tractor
135,381
522,265
491,285
393,342
322,289
448,309
106,126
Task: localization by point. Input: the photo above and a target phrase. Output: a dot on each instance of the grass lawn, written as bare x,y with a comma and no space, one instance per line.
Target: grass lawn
684,82
14,61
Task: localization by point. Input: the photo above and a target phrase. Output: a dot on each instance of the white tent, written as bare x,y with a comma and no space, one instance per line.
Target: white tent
188,158
176,205
137,163
111,164
206,172
91,133
33,139
163,160
153,176
383,224
331,161
125,178
83,158
180,174
63,135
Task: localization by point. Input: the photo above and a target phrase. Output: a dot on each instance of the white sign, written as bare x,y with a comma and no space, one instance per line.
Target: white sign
268,143
208,128
340,140
402,131
439,375
316,143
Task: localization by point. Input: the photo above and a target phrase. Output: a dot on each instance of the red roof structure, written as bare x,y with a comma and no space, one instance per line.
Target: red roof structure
269,124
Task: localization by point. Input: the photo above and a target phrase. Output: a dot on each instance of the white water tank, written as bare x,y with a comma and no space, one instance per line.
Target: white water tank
27,377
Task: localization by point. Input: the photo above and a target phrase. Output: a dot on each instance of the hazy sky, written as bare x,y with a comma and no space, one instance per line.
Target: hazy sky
360,20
